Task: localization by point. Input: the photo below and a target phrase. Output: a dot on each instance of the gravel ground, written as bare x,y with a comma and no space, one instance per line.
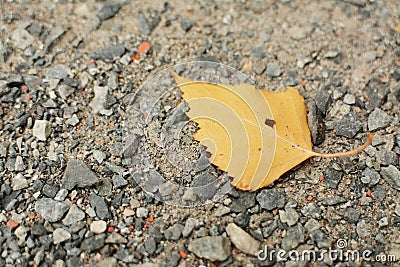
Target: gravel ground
76,191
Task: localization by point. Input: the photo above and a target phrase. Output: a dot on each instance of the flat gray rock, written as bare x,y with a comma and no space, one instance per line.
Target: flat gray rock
79,175
74,215
22,38
214,248
270,199
378,119
51,210
392,176
41,129
242,240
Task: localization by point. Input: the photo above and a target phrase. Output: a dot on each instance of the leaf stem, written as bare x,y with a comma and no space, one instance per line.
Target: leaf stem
346,153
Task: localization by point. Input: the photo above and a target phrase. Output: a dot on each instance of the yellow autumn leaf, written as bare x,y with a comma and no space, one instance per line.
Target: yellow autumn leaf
253,135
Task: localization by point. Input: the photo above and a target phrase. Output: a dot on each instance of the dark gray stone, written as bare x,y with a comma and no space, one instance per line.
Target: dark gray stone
320,239
334,200
323,100
109,53
204,186
214,248
351,215
267,231
119,181
143,24
273,70
99,206
154,180
174,232
332,177
244,201
186,24
242,219
378,192
150,245
51,210
392,176
78,174
349,125
377,92
316,125
93,243
270,199
49,190
59,71
294,236
108,10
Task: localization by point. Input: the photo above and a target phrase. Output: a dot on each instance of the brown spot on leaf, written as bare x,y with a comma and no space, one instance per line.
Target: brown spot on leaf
270,123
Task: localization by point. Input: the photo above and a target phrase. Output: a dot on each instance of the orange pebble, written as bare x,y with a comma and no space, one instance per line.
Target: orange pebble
144,47
183,254
12,224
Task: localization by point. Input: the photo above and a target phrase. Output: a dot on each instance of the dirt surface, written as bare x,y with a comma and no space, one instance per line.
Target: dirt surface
76,190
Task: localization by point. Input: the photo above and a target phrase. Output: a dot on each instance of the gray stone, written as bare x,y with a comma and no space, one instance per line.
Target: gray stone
189,226
349,99
320,239
65,91
150,245
99,101
98,227
294,236
50,210
378,119
130,146
289,216
370,176
59,71
397,209
204,186
332,177
311,210
270,199
108,10
174,232
143,24
79,175
73,121
109,53
214,248
19,164
351,215
100,206
323,100
60,235
99,155
186,24
93,243
61,194
49,190
142,212
392,176
168,189
242,240
312,225
242,219
74,215
363,230
41,129
273,70
119,181
334,200
22,38
259,67
316,125
115,238
55,33
377,92
349,125
267,231
244,201
19,182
